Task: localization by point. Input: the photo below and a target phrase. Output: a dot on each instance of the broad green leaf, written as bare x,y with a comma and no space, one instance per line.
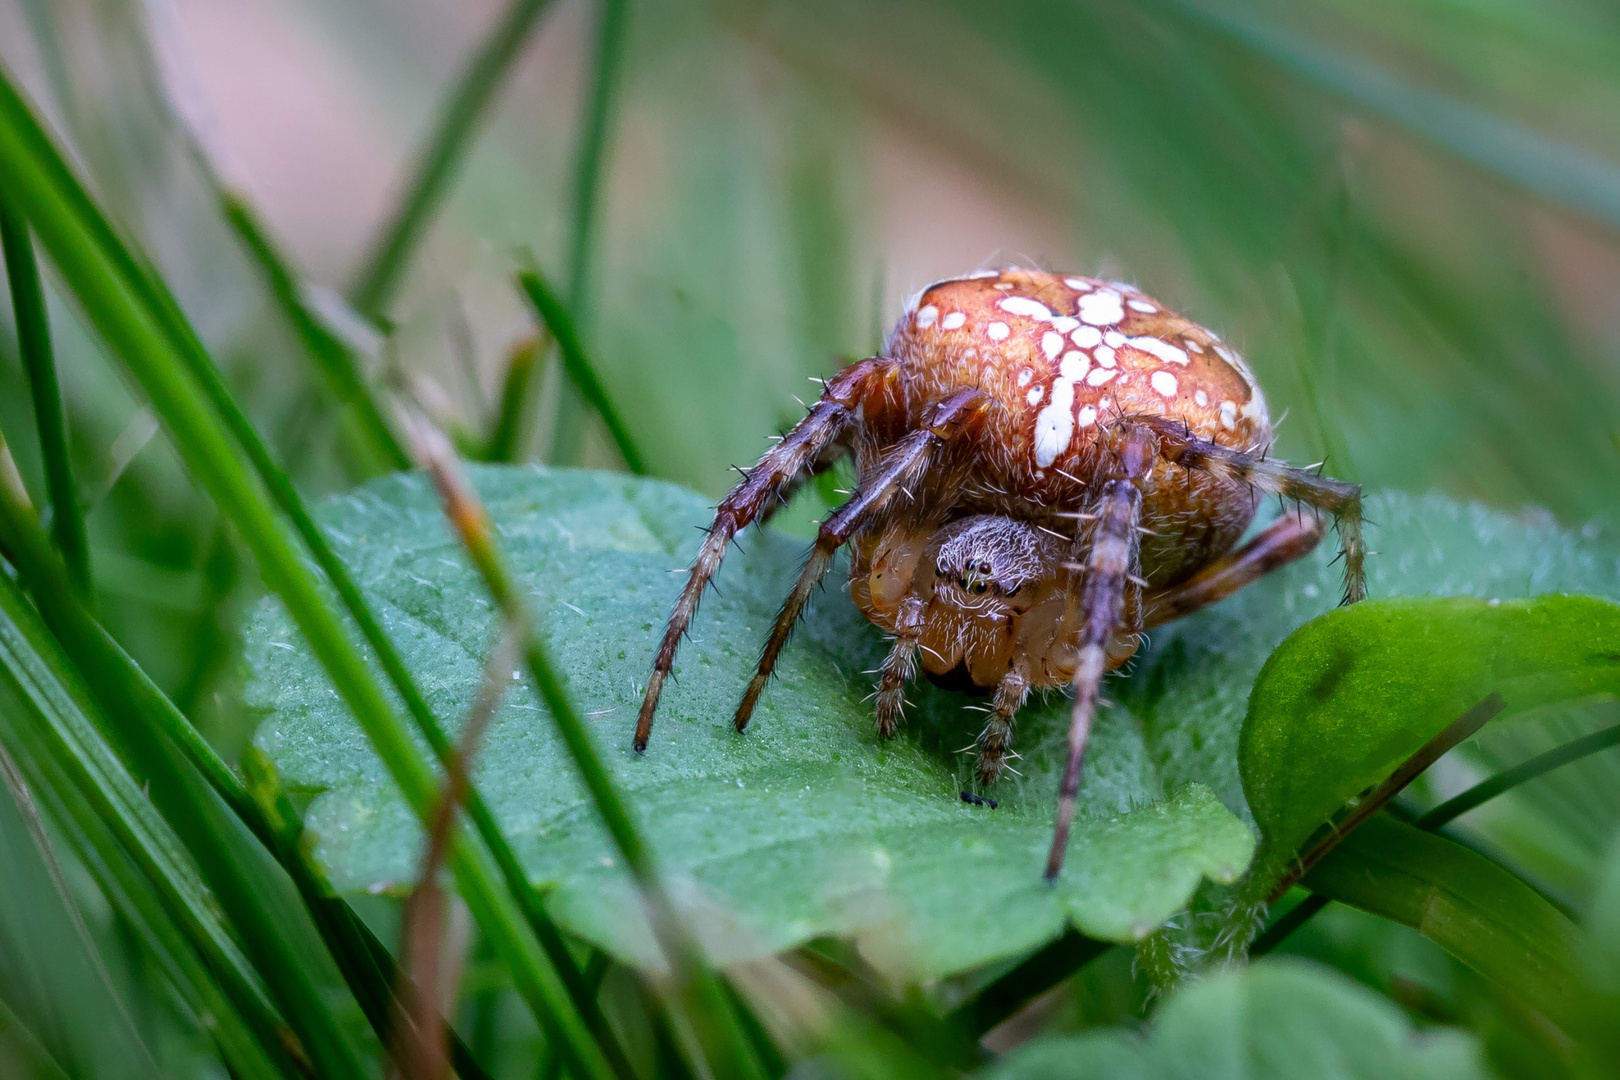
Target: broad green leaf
1277,1020
806,825
1351,695
1473,908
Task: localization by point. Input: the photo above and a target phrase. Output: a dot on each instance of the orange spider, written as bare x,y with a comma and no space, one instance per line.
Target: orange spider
1048,465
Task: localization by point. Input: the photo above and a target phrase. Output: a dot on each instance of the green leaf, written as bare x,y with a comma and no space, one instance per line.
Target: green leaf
1278,1019
1351,695
1476,910
806,825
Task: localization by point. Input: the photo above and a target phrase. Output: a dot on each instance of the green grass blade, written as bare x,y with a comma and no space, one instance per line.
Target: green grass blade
707,1008
580,372
331,355
1469,906
46,728
590,155
1034,976
440,156
1554,170
120,684
34,824
1539,765
34,344
20,1046
139,326
507,434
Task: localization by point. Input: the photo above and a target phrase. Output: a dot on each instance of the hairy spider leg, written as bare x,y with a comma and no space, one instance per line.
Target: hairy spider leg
1290,537
1336,497
993,741
943,422
900,666
1110,570
827,420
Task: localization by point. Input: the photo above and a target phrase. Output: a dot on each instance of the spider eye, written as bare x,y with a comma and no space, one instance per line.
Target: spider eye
980,588
984,568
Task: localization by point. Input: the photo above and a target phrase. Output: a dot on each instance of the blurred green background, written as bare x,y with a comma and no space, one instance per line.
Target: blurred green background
1406,214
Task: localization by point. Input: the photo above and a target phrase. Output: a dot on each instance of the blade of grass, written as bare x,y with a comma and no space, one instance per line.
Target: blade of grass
507,435
22,1047
34,345
595,124
440,156
121,686
14,783
1032,977
707,1014
265,916
561,323
136,317
330,354
47,729
1554,170
1455,732
1473,908
1448,811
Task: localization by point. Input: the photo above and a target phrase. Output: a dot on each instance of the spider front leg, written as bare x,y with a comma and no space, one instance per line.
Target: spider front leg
996,737
900,467
755,496
900,666
1336,497
1109,571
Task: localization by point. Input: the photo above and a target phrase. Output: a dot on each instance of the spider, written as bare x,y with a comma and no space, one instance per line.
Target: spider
1048,465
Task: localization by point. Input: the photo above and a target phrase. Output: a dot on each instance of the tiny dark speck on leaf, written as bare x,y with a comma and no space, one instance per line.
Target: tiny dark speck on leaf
978,800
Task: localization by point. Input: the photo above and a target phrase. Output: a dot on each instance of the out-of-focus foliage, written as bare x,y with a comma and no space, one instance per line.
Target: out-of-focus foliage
1278,1019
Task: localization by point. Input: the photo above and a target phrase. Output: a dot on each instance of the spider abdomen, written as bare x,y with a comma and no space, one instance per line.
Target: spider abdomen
1061,355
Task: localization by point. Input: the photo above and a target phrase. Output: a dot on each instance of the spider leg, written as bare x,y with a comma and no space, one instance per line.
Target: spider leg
756,495
1341,499
1109,566
900,666
997,734
904,463
1290,537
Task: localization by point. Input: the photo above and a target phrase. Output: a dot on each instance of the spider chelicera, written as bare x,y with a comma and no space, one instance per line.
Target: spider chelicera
1048,465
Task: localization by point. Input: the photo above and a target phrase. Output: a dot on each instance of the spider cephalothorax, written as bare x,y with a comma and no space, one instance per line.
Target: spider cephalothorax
1048,465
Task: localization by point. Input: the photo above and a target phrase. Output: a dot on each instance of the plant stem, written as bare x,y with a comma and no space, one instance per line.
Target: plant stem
1430,752
439,157
333,357
1034,976
709,1012
34,344
580,372
1448,811
595,125
145,328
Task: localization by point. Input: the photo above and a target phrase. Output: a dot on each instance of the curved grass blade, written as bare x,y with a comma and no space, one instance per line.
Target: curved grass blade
1554,170
1471,907
34,344
441,155
34,823
143,326
121,686
47,731
1448,811
596,121
333,357
580,372
707,1012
